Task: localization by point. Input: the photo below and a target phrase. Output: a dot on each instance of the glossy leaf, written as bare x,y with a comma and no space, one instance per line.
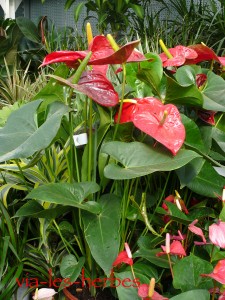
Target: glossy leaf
151,256
179,94
214,93
72,194
35,210
102,231
193,135
208,182
126,286
139,159
187,273
150,72
195,294
21,137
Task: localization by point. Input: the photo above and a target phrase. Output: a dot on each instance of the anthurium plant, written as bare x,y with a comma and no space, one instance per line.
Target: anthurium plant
120,163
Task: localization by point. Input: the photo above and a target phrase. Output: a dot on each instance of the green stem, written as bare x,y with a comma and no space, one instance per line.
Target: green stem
171,269
121,101
90,142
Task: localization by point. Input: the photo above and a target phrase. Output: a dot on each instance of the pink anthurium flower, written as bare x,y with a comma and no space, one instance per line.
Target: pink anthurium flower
218,272
176,248
217,234
44,294
124,257
204,53
143,292
162,122
180,55
102,54
198,231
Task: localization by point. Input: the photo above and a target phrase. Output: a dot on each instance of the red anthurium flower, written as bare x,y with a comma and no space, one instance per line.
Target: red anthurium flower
218,272
196,230
179,237
204,53
102,54
143,291
217,234
176,248
162,122
200,79
207,116
96,86
180,55
124,257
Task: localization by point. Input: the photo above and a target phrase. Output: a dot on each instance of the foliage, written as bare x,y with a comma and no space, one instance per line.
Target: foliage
76,204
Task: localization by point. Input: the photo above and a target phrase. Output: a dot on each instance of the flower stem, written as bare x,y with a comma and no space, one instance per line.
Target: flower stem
171,268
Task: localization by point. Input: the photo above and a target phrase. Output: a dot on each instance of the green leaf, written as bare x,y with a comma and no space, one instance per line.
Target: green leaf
188,172
72,194
139,159
179,94
190,295
54,91
176,214
186,76
138,9
208,182
219,136
102,231
77,11
35,210
68,4
21,137
70,268
126,286
144,271
150,255
214,93
193,135
187,273
151,72
29,29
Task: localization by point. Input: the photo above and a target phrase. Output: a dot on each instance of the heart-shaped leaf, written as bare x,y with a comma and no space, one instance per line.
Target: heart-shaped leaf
139,159
21,137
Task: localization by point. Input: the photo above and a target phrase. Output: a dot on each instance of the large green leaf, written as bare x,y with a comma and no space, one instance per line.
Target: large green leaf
35,210
208,182
214,93
151,72
182,94
21,137
29,29
126,286
139,159
186,75
193,135
191,295
102,231
187,273
72,194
